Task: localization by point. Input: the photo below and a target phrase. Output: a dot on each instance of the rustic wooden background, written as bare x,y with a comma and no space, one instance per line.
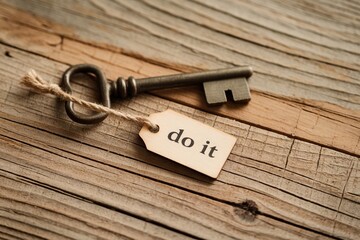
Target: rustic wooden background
293,174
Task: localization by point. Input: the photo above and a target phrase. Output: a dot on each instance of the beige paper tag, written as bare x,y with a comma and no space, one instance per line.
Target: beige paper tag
188,142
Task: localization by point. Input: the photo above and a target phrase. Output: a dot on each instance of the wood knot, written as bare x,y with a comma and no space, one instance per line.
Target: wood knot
247,210
7,53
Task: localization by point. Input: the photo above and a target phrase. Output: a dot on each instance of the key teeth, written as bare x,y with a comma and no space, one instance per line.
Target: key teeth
215,97
215,90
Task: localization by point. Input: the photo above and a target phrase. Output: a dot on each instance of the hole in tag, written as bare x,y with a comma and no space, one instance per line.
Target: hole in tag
155,130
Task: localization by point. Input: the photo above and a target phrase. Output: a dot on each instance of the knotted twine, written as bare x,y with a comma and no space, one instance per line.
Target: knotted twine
35,82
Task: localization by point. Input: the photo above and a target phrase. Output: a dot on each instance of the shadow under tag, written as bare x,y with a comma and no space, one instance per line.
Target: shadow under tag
188,142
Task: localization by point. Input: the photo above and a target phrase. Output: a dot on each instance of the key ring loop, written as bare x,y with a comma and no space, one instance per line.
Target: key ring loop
103,89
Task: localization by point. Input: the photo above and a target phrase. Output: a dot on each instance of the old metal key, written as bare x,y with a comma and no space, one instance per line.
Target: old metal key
216,83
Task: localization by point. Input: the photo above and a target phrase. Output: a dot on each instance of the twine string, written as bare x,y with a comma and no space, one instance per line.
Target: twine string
35,82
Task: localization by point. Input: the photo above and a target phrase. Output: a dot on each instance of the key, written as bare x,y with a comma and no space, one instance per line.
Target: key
216,84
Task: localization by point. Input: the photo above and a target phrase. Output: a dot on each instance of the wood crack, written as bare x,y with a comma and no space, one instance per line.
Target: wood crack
274,30
102,204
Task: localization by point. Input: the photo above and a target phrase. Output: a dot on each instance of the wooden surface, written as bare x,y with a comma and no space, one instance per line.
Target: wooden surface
294,172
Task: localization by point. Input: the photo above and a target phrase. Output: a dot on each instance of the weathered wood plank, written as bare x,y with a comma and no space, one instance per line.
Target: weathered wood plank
305,119
188,36
47,158
71,215
65,181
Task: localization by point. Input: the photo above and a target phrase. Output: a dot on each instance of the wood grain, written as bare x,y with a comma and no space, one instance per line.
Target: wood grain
64,180
294,172
154,28
318,122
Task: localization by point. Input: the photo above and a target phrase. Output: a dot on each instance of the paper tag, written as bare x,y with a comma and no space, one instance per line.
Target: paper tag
188,142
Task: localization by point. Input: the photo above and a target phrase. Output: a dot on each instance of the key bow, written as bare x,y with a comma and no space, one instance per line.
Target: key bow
104,93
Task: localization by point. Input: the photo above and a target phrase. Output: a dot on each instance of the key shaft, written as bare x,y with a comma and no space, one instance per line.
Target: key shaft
129,88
